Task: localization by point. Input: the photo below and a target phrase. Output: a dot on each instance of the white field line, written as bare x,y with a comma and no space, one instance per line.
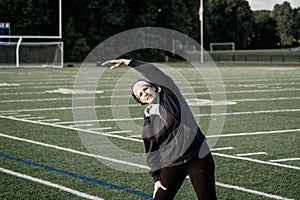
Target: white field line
22,115
284,160
70,79
114,132
99,129
60,125
251,154
138,165
139,140
34,118
222,149
245,91
271,196
256,161
41,100
49,120
196,115
254,133
81,125
37,87
75,151
265,99
67,80
197,93
48,183
129,119
51,80
70,128
9,114
249,112
85,98
193,81
135,136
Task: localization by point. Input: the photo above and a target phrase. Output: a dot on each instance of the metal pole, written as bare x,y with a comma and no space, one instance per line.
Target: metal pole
18,52
60,19
201,29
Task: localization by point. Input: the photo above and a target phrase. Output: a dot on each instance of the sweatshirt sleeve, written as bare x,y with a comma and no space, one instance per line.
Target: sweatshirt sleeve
154,74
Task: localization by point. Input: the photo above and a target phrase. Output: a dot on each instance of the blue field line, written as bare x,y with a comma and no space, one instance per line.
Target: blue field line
78,176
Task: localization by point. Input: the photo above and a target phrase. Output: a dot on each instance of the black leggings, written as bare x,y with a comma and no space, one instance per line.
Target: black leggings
201,173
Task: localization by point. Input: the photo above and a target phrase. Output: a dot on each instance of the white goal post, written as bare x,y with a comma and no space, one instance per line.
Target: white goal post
222,46
31,54
32,50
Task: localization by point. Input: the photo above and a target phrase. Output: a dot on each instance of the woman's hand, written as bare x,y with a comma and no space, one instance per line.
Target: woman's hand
116,63
158,185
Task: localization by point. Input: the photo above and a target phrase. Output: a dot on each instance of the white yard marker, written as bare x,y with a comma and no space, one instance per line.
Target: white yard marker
222,149
48,183
72,91
114,132
21,115
256,161
8,114
254,133
9,84
251,154
49,120
99,129
252,191
249,112
34,118
135,136
284,160
82,125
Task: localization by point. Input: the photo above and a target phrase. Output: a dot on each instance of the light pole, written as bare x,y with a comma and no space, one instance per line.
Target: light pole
201,29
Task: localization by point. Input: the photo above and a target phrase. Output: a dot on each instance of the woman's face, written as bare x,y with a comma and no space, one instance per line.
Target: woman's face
146,94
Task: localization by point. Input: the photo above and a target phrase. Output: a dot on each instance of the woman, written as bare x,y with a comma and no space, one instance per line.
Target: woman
174,143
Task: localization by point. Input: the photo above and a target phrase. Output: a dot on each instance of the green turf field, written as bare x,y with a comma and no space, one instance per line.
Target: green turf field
42,156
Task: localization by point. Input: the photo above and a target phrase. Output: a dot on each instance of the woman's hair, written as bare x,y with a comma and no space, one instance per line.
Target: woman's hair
136,98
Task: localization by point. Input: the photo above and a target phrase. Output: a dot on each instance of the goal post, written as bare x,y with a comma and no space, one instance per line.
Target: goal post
222,46
31,54
34,50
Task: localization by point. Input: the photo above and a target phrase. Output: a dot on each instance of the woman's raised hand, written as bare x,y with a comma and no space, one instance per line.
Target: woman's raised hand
116,63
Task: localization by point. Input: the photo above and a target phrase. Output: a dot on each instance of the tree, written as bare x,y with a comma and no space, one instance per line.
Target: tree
283,15
192,10
229,21
142,13
105,18
296,25
30,17
76,47
264,34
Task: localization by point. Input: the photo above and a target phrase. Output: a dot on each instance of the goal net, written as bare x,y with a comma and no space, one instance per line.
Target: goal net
222,46
31,54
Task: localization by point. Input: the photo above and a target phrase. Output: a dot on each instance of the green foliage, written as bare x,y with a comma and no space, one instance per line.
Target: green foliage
88,23
30,17
283,14
229,21
296,25
264,31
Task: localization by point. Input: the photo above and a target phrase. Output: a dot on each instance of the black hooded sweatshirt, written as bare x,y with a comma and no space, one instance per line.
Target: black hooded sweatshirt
173,136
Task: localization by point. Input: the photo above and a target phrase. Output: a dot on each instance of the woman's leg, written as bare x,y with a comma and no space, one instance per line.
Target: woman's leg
172,178
201,172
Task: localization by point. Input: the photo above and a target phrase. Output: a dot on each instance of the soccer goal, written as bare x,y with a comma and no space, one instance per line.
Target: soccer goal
32,50
222,46
31,54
